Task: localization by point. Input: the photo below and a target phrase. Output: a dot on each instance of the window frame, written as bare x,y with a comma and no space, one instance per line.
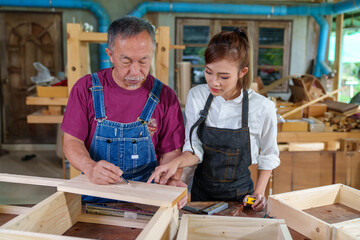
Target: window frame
253,27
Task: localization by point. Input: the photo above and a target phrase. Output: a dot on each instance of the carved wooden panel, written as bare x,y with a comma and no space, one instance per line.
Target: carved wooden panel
27,38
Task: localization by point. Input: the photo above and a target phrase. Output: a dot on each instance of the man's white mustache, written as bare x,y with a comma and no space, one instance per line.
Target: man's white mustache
134,78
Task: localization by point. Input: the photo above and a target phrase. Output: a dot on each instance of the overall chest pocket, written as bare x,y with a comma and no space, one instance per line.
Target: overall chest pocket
108,149
137,154
221,164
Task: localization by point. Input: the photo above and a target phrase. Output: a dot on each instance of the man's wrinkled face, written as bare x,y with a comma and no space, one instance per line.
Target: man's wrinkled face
131,58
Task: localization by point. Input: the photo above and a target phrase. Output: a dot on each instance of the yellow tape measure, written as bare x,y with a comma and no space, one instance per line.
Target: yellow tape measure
250,200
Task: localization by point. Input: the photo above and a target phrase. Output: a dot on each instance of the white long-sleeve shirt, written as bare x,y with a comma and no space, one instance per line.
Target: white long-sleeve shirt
262,122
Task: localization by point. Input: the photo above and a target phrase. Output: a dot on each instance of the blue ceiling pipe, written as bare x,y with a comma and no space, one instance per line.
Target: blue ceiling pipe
96,8
317,11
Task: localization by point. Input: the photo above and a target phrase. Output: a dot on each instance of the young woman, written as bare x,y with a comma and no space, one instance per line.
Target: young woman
228,128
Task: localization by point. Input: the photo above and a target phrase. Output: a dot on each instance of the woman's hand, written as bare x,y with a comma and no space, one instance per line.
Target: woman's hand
164,172
260,202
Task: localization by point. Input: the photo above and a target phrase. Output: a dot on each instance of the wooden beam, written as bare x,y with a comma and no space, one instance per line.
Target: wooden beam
73,54
10,209
39,117
307,137
21,235
310,198
138,192
339,33
94,37
46,101
158,224
162,54
114,221
54,215
32,180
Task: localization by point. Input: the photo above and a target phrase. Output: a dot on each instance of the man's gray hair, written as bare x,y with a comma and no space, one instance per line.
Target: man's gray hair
127,27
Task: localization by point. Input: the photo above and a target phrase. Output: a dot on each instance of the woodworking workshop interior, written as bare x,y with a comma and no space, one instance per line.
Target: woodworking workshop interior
180,119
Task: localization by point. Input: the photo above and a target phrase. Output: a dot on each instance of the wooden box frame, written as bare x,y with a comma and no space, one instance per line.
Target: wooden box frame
60,211
290,206
219,227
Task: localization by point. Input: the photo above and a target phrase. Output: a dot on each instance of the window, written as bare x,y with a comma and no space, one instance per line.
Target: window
271,40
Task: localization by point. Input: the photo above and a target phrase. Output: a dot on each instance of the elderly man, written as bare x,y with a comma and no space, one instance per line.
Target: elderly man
121,121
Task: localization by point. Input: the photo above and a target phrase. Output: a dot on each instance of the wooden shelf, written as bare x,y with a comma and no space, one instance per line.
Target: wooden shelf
46,101
307,137
38,117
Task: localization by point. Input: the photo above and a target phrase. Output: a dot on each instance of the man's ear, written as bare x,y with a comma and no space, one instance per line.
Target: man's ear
109,54
243,72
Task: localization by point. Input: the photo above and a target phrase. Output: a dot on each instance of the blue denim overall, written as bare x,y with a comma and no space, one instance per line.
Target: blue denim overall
224,173
126,145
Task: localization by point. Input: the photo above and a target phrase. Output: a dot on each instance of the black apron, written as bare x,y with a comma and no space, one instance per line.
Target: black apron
224,173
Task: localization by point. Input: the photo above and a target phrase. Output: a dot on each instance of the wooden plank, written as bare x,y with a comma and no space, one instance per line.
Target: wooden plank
6,234
95,37
337,63
114,221
158,224
38,117
347,230
312,169
298,220
218,227
283,232
73,54
138,192
300,137
350,197
282,175
295,147
9,209
334,213
309,198
348,168
54,215
32,180
162,54
183,229
46,101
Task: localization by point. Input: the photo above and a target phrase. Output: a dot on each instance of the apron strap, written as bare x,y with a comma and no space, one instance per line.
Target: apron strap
98,98
152,101
203,114
245,110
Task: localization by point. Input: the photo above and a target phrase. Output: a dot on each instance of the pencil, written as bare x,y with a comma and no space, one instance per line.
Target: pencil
125,180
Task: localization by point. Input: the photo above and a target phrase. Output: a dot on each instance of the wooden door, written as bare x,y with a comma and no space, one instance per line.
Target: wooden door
25,38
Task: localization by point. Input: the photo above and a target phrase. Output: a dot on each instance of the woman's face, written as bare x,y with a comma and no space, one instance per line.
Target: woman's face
222,77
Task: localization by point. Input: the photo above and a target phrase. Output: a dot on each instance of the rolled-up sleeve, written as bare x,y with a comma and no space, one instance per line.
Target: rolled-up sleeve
268,158
192,111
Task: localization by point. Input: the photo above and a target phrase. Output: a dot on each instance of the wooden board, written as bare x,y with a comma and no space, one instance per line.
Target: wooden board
219,227
21,235
138,192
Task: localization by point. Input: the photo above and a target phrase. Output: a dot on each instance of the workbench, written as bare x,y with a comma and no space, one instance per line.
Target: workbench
108,232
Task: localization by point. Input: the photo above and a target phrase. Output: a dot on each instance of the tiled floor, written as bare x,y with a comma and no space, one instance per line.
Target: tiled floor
45,164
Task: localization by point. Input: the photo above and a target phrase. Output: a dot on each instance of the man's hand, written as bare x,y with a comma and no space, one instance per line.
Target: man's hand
164,172
260,202
178,183
103,172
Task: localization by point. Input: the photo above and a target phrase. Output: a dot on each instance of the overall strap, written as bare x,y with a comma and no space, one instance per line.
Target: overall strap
203,114
98,98
245,110
152,101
